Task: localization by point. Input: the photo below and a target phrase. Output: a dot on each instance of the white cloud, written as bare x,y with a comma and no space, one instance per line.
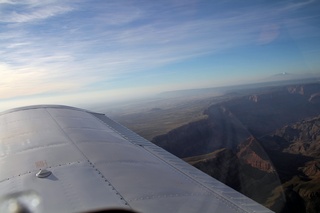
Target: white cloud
296,5
8,2
38,14
30,11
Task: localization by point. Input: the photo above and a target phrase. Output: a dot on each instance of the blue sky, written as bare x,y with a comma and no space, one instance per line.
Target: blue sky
77,51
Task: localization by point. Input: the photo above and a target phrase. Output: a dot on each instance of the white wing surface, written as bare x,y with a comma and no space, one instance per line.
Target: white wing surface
90,162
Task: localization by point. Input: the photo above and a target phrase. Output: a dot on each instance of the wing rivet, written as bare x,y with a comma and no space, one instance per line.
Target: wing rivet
43,173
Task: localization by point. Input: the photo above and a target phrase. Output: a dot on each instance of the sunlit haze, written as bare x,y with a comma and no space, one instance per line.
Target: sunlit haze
76,52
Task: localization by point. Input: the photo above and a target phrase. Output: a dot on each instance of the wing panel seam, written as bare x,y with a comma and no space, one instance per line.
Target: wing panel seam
92,165
36,170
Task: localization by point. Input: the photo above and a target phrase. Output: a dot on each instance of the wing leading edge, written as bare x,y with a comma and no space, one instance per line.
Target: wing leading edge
95,163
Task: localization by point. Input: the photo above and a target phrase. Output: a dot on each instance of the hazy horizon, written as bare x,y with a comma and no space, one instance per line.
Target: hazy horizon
80,52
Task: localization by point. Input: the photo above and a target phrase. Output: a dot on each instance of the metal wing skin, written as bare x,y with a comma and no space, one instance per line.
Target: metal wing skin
90,162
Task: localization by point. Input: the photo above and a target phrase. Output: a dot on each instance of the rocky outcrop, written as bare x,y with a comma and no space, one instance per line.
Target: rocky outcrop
312,169
299,138
254,155
296,90
222,164
254,98
301,195
225,166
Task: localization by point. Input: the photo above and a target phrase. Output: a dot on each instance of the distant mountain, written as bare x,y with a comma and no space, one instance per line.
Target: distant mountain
281,79
232,122
266,111
285,76
267,142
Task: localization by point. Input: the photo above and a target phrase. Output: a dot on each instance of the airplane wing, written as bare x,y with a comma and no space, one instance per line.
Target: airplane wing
75,160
